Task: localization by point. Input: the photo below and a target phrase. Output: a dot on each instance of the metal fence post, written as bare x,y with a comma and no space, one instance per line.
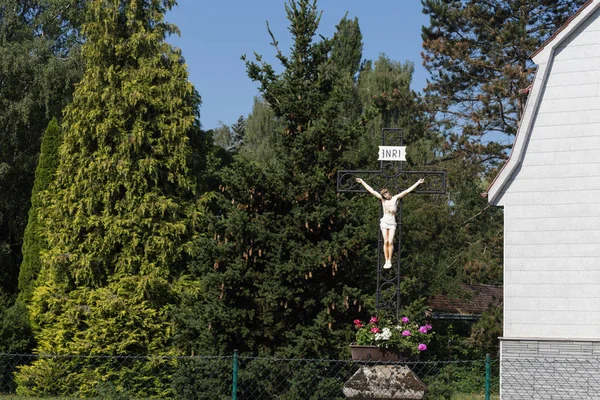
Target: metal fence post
487,376
235,375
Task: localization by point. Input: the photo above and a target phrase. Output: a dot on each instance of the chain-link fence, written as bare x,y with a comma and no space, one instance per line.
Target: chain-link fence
341,379
550,378
239,377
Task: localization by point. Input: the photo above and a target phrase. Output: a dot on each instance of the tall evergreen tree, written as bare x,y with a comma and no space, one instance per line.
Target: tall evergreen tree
15,333
231,137
238,131
263,128
289,266
347,46
478,55
33,243
122,211
39,63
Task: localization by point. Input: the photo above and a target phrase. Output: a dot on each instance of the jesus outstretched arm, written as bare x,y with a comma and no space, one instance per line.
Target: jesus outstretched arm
407,191
369,188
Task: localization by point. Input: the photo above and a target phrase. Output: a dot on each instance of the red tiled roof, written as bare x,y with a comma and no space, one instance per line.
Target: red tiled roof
476,299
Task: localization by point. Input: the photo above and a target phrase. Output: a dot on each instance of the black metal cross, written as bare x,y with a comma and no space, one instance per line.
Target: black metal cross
392,176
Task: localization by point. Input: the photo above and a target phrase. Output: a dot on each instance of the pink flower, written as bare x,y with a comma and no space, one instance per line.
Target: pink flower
423,329
422,347
405,320
374,320
357,322
375,330
428,327
406,333
358,326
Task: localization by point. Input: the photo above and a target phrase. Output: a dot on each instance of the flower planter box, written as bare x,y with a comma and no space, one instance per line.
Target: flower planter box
372,353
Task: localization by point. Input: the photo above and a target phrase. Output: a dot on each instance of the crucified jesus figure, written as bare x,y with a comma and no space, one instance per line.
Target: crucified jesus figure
388,222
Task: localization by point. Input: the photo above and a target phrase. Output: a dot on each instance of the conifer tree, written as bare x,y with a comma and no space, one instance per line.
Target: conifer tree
122,211
39,65
33,243
289,265
347,46
231,137
238,133
262,127
322,259
478,55
15,333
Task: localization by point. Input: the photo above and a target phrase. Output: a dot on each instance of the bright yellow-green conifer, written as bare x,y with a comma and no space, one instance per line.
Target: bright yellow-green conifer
123,208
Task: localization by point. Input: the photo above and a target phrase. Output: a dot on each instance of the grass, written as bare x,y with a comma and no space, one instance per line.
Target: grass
472,396
455,397
15,397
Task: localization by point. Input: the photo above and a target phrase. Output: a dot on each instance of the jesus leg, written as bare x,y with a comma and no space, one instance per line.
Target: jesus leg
384,234
389,248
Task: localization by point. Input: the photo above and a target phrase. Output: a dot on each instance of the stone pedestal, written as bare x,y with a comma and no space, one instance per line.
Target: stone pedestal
384,382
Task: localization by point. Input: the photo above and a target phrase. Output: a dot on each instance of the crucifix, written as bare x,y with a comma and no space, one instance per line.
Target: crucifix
393,177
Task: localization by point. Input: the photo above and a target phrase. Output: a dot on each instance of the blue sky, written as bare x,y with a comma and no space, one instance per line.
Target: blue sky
214,34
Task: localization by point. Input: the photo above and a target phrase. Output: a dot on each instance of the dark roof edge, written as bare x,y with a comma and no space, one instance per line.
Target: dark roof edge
456,317
562,28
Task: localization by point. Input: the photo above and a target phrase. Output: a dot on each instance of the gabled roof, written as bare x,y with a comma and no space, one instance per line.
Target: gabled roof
541,57
562,28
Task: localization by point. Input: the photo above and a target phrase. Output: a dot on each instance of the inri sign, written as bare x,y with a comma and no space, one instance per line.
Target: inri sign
392,153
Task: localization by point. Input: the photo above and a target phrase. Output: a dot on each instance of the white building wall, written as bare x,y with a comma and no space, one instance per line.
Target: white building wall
552,204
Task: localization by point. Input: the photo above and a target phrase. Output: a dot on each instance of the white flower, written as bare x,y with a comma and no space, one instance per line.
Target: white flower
386,334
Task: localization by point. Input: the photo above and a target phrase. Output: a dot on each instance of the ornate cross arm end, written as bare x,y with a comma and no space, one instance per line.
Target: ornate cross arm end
346,180
435,181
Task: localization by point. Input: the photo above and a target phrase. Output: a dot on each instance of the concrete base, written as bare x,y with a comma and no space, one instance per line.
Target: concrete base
384,382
